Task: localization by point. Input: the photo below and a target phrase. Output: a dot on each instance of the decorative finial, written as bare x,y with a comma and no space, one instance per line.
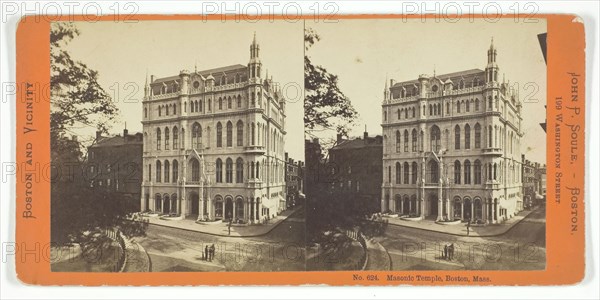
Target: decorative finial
196,66
433,70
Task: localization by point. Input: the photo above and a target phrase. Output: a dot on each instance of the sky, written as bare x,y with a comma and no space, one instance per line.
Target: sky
124,53
363,53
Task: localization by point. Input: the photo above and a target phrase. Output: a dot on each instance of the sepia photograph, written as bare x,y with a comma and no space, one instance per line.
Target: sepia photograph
185,141
425,145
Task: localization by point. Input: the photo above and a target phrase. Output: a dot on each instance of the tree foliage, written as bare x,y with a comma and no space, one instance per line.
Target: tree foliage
325,105
78,211
76,96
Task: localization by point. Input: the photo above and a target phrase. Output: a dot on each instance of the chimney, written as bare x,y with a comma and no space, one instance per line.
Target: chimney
339,137
125,132
98,134
286,156
74,138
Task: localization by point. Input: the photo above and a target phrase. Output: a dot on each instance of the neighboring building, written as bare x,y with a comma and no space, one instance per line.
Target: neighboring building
294,181
529,182
358,171
452,146
214,144
540,188
115,165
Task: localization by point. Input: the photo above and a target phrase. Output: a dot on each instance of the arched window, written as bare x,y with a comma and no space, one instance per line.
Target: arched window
397,141
477,170
219,135
175,171
219,171
229,105
457,137
435,138
209,106
239,101
490,136
467,106
406,113
467,136
257,170
220,103
158,141
159,110
239,170
229,134
406,172
229,170
174,109
467,172
490,104
158,171
476,104
477,136
414,172
457,172
175,138
167,138
196,136
398,173
145,112
458,106
167,170
413,112
240,133
405,140
195,170
447,108
398,113
414,140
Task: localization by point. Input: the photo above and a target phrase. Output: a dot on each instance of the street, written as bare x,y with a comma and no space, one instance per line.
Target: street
521,248
177,250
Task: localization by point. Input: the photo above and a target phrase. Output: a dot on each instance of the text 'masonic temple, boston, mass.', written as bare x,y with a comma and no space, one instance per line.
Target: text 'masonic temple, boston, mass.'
452,146
214,144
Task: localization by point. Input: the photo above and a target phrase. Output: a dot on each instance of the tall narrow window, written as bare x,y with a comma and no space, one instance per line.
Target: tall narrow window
457,137
219,171
477,170
457,172
414,140
406,173
406,140
229,134
477,136
467,136
398,173
229,170
158,171
175,168
467,172
158,139
196,136
219,135
435,139
229,103
397,141
414,172
240,133
175,138
239,171
167,170
167,138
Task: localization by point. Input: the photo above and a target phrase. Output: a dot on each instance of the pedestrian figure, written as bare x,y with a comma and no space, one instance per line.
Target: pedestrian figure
205,253
451,250
445,255
229,227
212,251
468,226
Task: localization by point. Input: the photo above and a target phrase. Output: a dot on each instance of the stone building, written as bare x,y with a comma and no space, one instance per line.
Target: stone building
294,180
114,164
357,171
214,144
452,146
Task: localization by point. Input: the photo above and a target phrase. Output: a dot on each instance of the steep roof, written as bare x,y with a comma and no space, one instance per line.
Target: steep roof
454,77
204,73
118,140
359,143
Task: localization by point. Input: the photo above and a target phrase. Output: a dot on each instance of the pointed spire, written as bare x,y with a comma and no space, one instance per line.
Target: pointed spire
254,39
196,66
146,87
433,70
492,43
386,82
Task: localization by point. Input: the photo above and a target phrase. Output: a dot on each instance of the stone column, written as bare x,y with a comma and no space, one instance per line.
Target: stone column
209,208
484,210
449,209
495,206
409,206
472,210
233,213
462,210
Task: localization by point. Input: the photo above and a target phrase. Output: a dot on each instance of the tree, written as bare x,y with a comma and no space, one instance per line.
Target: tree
76,95
79,212
325,105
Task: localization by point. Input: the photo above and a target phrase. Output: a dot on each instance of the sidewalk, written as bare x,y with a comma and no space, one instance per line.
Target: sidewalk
378,258
220,229
461,229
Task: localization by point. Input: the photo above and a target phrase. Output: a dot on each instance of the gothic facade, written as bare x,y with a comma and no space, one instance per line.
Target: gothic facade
214,144
452,146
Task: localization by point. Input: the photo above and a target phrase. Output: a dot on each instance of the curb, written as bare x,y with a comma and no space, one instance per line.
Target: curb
225,235
464,235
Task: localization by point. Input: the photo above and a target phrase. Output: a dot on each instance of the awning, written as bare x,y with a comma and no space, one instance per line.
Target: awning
538,196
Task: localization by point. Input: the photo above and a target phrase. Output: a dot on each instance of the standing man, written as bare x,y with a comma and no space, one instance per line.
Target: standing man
229,227
468,226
